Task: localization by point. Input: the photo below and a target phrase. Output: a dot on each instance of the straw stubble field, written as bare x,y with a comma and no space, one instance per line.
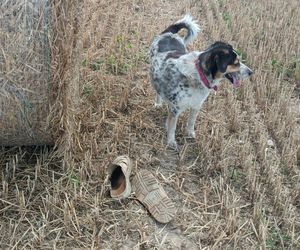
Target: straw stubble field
236,186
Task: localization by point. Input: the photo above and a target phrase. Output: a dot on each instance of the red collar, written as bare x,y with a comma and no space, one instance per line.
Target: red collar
203,77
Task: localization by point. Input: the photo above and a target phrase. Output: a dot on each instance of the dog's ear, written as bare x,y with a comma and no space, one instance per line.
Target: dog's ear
208,63
215,60
212,62
221,62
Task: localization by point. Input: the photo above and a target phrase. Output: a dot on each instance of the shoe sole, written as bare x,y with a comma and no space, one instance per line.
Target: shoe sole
153,197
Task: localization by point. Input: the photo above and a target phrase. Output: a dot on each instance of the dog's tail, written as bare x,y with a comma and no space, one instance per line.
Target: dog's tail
185,23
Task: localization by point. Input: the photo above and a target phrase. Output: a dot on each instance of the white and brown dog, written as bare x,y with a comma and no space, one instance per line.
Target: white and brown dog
184,79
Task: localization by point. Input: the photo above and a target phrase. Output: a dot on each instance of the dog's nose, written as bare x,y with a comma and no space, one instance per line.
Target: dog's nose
250,72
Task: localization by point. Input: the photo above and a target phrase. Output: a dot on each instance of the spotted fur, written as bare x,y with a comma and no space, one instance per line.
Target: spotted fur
176,80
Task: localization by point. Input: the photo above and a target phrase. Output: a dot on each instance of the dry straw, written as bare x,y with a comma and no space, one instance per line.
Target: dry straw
39,53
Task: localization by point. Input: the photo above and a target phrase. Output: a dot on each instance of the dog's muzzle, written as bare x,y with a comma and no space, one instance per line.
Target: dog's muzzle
236,77
245,71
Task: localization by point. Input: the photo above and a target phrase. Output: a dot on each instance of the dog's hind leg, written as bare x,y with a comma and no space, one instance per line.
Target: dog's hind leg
171,128
190,127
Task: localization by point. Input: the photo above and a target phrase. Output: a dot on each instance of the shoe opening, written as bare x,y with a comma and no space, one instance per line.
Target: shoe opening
117,181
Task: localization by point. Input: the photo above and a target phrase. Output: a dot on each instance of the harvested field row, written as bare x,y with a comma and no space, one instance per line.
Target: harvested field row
236,185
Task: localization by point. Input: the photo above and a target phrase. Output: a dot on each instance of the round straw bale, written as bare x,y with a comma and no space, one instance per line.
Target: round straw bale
39,79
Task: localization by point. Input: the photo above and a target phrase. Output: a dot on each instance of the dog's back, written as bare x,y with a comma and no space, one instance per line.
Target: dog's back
169,45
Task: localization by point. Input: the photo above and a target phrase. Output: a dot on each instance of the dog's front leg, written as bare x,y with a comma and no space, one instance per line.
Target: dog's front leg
171,129
190,127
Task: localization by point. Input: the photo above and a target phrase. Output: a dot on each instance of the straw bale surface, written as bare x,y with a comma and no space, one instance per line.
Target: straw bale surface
35,60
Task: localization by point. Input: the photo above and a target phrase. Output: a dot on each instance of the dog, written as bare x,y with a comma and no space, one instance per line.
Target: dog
184,79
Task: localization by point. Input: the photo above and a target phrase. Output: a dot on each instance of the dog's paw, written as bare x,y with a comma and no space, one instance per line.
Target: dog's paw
157,104
173,144
191,134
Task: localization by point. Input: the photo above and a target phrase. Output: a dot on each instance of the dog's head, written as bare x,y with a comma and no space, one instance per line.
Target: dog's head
221,61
